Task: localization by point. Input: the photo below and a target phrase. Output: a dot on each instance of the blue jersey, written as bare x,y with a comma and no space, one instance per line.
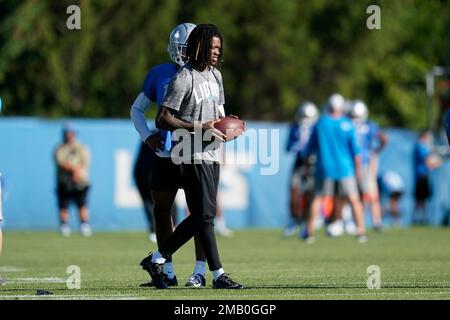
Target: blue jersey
421,152
447,123
299,135
155,88
334,142
367,139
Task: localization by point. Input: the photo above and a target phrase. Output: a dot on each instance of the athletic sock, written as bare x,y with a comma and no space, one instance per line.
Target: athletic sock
168,270
158,258
217,273
200,267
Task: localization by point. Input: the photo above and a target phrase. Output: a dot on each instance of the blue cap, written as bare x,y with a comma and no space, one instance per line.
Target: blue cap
69,127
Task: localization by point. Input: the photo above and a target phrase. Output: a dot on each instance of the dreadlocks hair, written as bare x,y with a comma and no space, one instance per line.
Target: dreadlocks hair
199,45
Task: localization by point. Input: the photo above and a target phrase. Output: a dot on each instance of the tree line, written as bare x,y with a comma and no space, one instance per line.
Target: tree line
277,53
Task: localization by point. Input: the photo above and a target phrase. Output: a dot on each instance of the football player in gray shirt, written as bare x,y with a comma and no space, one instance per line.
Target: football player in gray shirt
192,106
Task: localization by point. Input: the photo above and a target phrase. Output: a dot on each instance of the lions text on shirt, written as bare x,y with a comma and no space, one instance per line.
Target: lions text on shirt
195,97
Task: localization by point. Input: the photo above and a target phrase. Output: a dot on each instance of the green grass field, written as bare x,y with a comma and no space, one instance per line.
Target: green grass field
414,263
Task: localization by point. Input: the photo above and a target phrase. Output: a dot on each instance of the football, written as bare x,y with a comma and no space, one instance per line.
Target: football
231,126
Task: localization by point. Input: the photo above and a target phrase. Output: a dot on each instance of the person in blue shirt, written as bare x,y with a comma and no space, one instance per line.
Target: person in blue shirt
302,176
423,162
333,140
371,142
165,180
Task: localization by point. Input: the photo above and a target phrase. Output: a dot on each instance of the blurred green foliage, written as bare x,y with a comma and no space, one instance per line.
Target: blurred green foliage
277,54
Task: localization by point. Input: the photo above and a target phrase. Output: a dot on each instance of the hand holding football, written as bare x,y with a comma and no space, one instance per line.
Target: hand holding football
231,126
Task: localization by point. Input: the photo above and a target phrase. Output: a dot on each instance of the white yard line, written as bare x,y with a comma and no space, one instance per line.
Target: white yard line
36,280
11,269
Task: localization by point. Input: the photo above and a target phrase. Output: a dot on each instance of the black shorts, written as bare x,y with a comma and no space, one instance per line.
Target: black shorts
166,175
423,189
79,196
200,183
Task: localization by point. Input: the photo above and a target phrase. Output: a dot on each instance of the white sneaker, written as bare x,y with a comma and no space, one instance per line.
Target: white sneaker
310,240
361,238
64,229
335,229
152,237
290,230
350,228
85,229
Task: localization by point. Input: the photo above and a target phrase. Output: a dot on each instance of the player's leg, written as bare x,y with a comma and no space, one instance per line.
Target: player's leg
376,210
374,195
200,183
393,207
421,194
142,173
63,204
197,278
349,189
315,211
164,185
322,188
202,202
294,203
163,203
80,197
371,197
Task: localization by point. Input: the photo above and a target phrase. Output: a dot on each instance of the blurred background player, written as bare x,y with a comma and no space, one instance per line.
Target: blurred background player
392,186
424,161
302,175
220,224
142,173
164,187
72,161
371,142
333,140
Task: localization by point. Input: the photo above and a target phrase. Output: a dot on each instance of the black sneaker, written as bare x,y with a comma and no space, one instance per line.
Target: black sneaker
170,282
155,270
225,282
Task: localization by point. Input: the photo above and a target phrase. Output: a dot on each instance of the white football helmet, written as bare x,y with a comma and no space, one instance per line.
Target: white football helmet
336,102
307,111
178,42
359,111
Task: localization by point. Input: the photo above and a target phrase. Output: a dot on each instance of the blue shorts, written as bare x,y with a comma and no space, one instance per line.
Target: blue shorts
447,123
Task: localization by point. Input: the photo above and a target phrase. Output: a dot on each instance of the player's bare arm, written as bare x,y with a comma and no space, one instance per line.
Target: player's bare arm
166,121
